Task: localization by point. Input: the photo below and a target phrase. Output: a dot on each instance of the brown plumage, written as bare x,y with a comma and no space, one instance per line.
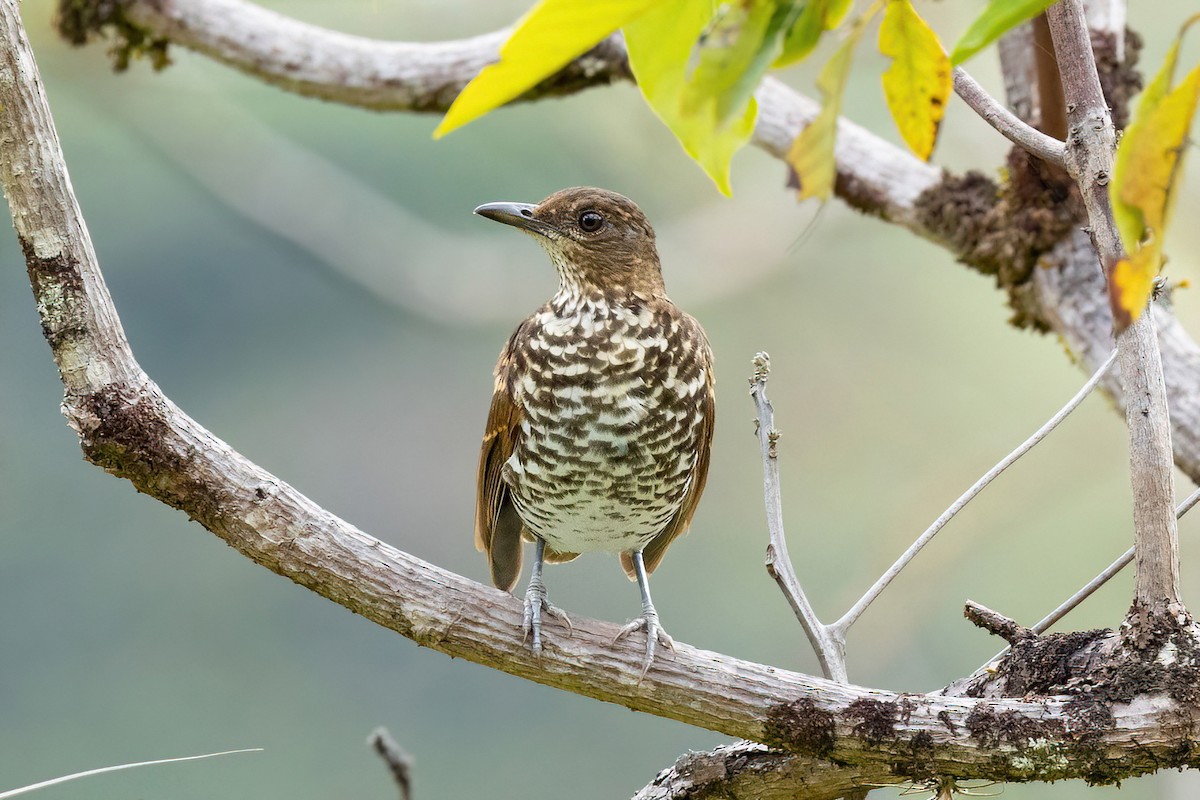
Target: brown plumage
602,415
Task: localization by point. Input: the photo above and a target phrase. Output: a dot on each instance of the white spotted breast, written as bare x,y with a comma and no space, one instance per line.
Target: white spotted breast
612,393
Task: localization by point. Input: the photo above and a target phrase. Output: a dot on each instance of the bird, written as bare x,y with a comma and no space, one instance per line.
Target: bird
602,412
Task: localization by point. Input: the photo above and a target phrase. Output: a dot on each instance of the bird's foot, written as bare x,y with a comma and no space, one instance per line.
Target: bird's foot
655,635
531,621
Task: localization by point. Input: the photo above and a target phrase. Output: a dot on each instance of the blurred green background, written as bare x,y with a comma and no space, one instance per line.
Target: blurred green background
307,281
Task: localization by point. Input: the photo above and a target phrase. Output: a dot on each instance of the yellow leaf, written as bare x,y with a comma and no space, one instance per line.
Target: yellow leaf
918,83
660,43
1147,164
548,37
812,154
1130,285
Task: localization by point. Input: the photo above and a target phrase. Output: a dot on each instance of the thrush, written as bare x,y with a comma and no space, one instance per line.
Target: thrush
601,421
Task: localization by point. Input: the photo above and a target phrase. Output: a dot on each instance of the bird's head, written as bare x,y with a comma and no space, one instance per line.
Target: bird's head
598,240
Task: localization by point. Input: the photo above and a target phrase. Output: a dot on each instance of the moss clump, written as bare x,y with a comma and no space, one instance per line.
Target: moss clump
81,21
801,727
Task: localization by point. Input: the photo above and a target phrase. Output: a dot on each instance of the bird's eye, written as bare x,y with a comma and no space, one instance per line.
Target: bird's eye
591,221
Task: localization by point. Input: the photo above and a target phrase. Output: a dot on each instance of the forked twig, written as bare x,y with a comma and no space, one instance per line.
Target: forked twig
829,641
831,652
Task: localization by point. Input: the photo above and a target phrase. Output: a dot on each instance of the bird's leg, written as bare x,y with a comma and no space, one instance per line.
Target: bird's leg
536,602
648,620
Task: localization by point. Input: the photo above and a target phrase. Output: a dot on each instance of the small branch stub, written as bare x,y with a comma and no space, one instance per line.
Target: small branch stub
399,761
996,623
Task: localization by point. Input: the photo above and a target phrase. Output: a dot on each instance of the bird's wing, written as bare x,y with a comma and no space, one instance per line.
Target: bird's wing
497,526
678,524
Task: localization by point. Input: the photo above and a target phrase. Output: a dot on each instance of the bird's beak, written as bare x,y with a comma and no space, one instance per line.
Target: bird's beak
519,215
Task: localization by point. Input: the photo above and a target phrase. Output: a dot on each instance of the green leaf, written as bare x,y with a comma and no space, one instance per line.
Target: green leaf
816,17
1146,169
660,44
918,83
812,154
997,19
735,52
552,34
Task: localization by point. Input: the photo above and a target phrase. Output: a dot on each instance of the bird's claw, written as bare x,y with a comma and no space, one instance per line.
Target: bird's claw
655,635
531,619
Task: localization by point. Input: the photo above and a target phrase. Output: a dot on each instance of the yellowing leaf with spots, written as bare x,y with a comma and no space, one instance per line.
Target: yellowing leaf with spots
660,44
1148,161
552,34
812,153
918,83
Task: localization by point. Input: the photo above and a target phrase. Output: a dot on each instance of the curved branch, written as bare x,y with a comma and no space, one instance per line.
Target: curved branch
1007,123
131,429
354,70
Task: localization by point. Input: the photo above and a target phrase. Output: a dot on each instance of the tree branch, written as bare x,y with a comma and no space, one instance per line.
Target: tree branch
354,70
1008,124
749,771
130,428
1090,145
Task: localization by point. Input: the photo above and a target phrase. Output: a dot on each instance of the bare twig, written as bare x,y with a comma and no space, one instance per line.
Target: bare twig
996,623
116,768
1108,572
831,651
829,641
1090,146
858,608
1008,124
399,761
